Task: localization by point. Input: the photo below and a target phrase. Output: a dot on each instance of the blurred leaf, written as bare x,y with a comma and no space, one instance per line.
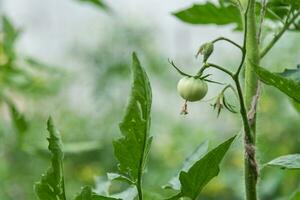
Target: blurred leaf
18,118
132,150
291,161
193,181
10,36
210,13
174,183
98,3
51,186
295,196
87,194
296,105
286,85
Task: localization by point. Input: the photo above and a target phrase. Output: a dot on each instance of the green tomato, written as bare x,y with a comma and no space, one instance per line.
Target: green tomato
192,89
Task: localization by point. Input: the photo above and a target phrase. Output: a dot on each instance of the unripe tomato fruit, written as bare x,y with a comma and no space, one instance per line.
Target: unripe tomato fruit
192,89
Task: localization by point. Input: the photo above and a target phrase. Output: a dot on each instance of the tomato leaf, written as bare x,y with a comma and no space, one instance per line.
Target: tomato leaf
291,161
174,183
210,13
51,186
132,149
200,173
285,84
88,194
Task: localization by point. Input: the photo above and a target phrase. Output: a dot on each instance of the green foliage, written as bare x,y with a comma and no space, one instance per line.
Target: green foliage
51,185
209,13
10,34
295,196
287,85
286,162
132,150
18,118
87,194
174,183
193,181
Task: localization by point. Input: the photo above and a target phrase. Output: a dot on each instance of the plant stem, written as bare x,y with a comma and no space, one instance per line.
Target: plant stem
251,81
139,189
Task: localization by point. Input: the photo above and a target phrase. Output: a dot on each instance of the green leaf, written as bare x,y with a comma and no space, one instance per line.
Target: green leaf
18,118
293,74
193,181
174,183
295,196
51,186
132,149
10,36
210,13
98,3
118,177
88,194
287,85
291,161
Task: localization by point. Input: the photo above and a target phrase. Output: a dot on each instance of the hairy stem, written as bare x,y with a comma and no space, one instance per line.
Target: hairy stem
252,57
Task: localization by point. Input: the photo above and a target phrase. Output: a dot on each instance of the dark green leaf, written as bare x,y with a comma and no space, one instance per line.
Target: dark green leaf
286,85
98,3
291,161
51,185
133,148
88,194
210,13
193,181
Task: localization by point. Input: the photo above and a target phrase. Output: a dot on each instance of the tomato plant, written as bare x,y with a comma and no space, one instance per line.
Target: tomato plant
132,148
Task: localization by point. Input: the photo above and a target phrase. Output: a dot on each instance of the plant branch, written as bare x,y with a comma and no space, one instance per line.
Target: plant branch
228,40
178,70
278,36
261,20
207,65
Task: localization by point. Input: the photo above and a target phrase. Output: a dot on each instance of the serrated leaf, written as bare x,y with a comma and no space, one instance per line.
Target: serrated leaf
132,149
193,181
286,85
51,185
210,13
98,3
291,161
88,194
174,183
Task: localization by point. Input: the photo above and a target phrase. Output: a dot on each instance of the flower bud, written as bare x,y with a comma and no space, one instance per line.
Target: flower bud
206,50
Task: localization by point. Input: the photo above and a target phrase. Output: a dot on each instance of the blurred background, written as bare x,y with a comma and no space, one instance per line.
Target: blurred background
71,60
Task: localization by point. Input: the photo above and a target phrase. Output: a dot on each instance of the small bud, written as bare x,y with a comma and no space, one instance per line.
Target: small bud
206,50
